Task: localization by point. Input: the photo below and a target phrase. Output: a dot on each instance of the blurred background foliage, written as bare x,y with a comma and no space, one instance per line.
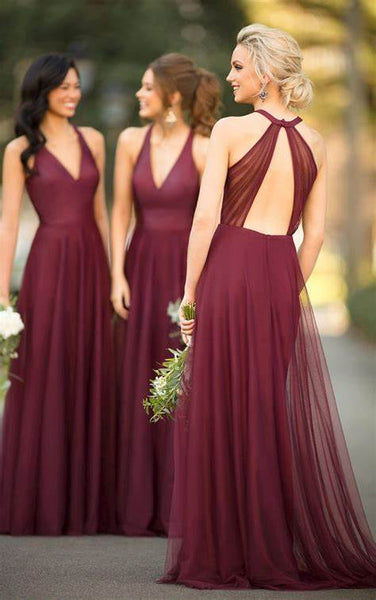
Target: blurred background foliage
114,41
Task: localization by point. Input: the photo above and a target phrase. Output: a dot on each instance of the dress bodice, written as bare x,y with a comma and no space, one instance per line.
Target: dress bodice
57,196
246,176
169,207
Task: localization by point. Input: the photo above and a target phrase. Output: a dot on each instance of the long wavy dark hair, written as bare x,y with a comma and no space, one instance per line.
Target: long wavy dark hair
45,74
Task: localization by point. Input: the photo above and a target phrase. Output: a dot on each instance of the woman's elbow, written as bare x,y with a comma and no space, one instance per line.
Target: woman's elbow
315,238
9,227
204,222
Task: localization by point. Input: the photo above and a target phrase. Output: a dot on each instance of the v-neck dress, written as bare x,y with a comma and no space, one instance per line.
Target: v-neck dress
57,472
155,269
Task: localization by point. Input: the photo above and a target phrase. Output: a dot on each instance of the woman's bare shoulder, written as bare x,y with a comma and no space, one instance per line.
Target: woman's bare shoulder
92,135
233,131
228,124
133,135
16,146
315,141
131,139
94,139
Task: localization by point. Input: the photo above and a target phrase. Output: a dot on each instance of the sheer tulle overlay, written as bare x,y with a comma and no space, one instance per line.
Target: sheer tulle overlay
155,268
264,493
58,440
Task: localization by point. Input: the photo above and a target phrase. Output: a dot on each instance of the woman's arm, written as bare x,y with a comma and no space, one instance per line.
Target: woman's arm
121,217
207,213
314,220
206,217
13,188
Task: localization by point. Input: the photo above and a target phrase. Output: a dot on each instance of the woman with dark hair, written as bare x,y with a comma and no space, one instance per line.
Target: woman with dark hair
158,170
57,458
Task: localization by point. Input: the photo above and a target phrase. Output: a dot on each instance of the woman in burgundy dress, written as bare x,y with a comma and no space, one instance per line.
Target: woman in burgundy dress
57,454
157,171
264,492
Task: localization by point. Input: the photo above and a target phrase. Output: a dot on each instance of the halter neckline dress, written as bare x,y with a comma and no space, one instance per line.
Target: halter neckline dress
264,493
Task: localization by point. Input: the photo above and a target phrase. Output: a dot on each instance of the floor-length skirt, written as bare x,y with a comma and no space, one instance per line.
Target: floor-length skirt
155,269
264,492
57,466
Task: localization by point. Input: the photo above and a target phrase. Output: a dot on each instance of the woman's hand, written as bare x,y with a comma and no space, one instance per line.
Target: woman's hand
4,301
186,326
121,296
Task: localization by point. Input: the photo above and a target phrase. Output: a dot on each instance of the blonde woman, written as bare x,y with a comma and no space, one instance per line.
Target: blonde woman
264,494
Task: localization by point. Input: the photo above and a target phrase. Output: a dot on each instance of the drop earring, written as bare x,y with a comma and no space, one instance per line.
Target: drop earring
170,118
263,95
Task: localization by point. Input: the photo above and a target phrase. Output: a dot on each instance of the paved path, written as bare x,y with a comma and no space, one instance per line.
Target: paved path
116,568
352,365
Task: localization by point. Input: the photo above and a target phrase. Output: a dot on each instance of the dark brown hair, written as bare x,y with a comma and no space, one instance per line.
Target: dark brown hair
45,74
200,89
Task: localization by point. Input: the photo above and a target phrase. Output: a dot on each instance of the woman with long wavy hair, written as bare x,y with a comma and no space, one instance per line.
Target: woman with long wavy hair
158,169
57,449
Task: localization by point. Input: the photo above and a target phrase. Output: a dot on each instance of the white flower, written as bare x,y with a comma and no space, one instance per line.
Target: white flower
173,311
10,323
160,385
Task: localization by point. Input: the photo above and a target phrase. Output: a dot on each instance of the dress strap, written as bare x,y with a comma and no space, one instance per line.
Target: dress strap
189,143
280,122
145,146
82,141
80,135
85,148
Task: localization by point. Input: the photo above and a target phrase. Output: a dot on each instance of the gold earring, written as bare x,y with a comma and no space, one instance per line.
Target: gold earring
170,118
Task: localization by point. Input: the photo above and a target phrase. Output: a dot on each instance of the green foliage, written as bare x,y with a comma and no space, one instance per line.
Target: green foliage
362,309
121,36
165,388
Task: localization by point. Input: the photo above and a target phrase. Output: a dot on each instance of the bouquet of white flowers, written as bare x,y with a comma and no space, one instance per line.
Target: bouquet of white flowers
166,387
11,326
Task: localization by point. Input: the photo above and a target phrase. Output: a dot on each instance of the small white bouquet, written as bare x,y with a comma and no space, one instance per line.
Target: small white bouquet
11,326
173,313
166,387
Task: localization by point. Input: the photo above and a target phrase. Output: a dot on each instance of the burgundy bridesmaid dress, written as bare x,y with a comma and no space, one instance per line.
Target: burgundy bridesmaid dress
264,493
155,269
57,471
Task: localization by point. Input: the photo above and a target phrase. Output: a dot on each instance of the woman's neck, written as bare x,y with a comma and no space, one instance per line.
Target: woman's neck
165,130
54,127
272,104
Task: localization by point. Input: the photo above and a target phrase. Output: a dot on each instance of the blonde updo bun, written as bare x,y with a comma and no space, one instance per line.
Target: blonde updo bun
276,54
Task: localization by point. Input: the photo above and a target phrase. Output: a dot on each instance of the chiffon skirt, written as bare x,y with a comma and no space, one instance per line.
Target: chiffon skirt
57,459
155,270
264,493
